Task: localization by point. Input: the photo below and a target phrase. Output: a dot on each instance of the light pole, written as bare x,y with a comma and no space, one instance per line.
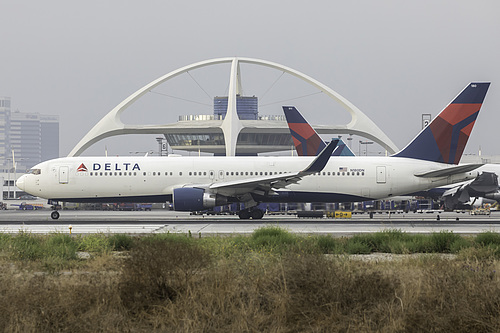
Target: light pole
349,141
366,147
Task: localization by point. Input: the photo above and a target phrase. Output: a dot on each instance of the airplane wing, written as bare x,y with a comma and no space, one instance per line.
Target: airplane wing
272,182
449,171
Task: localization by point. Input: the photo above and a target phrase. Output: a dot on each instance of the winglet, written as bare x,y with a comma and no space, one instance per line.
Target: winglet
444,139
319,162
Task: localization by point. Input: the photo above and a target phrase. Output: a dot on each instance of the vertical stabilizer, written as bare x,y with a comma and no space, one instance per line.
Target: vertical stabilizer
306,140
444,139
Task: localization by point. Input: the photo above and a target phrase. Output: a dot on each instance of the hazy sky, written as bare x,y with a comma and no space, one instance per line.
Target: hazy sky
394,60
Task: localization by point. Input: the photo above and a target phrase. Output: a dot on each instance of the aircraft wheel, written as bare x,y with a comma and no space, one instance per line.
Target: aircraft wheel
244,214
257,214
54,215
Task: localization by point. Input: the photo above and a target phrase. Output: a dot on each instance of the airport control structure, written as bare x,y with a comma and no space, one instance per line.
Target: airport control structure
235,128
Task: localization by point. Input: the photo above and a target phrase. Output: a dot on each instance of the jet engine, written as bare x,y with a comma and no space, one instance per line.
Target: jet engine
195,199
485,185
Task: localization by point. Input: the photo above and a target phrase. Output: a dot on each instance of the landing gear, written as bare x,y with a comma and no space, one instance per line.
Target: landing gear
255,214
54,215
244,214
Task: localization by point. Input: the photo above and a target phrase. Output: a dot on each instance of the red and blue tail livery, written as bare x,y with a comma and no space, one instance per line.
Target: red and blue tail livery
444,139
306,140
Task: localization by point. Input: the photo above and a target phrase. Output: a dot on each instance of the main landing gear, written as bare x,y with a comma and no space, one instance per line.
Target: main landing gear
255,214
55,206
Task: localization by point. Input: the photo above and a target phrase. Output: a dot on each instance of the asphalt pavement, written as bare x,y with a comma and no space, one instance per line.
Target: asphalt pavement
161,221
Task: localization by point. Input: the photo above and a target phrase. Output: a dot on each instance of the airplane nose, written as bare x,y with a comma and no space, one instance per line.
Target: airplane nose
20,182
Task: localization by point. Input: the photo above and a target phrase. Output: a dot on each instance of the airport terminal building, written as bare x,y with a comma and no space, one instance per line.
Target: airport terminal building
26,139
202,133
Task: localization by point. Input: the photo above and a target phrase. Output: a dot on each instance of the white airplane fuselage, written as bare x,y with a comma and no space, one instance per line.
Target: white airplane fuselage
153,179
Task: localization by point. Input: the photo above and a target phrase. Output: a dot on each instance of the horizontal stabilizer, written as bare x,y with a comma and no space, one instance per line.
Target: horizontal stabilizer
449,171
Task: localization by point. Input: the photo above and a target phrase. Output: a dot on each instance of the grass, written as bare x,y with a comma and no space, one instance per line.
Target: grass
270,281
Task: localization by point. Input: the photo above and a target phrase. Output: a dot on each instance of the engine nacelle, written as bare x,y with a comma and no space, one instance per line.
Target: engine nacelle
493,196
192,199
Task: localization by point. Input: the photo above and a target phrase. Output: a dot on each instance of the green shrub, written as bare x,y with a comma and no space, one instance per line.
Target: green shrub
327,244
355,246
5,240
96,243
487,238
25,246
120,242
272,237
460,244
441,241
60,246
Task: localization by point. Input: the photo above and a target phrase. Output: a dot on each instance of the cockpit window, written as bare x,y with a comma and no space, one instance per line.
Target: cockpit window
35,171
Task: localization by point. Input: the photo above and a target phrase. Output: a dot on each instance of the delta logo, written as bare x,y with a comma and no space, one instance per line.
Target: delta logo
82,168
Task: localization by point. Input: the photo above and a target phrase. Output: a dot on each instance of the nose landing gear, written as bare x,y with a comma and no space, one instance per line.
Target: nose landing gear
55,206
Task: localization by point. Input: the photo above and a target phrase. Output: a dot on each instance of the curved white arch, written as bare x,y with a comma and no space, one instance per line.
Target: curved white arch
111,124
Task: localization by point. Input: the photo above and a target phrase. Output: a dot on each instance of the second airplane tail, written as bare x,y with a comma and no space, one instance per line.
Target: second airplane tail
444,139
306,140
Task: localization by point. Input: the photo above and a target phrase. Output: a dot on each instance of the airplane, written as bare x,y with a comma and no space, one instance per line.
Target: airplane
473,193
198,183
306,140
484,188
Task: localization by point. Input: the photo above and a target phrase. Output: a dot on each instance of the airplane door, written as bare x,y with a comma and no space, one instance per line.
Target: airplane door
63,175
381,175
221,174
212,174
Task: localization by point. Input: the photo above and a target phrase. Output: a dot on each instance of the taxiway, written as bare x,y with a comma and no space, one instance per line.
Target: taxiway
161,221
